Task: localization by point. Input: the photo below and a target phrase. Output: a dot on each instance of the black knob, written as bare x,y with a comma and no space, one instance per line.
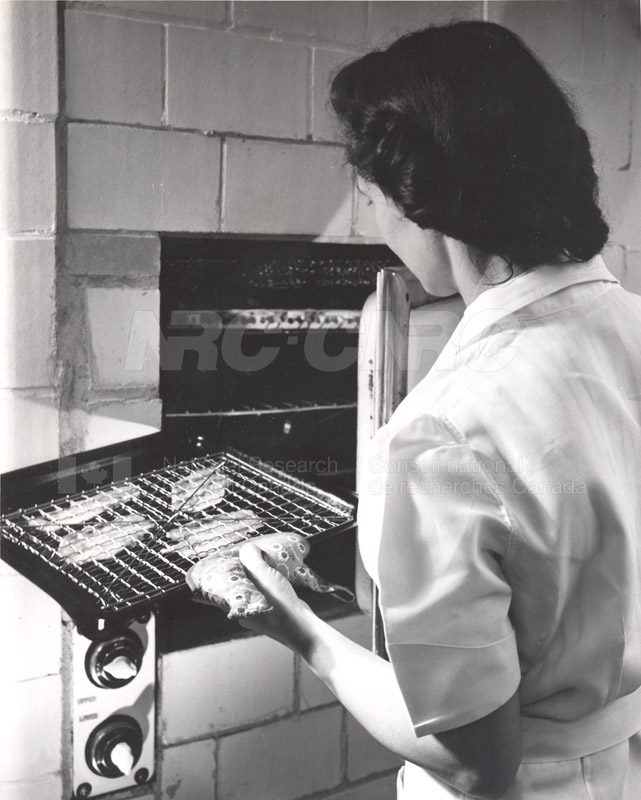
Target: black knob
115,662
114,747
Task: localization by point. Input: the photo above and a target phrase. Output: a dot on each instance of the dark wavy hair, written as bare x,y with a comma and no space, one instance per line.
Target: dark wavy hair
463,128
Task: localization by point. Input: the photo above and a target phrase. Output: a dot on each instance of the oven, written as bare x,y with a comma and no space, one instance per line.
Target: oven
259,368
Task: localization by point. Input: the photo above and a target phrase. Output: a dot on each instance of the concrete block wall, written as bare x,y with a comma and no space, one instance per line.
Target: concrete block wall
30,669
261,726
211,117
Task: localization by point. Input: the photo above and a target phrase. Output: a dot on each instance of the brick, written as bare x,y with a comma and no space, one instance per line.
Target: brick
605,113
117,421
30,620
253,86
391,19
210,11
124,334
241,681
188,771
112,254
49,787
312,691
277,187
549,29
27,177
131,179
27,308
29,57
378,789
30,734
632,277
326,63
28,428
621,201
365,756
281,761
336,22
113,68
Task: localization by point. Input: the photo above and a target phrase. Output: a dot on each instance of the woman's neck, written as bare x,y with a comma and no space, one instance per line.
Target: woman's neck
475,272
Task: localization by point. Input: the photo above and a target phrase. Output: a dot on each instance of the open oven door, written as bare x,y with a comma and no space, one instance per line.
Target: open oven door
403,329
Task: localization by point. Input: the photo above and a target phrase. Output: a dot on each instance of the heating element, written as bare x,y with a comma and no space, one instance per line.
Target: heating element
117,550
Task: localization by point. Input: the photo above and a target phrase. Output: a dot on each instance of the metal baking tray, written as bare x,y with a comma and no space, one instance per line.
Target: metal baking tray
115,552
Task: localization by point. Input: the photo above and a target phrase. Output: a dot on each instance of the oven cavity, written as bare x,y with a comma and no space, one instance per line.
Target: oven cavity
259,348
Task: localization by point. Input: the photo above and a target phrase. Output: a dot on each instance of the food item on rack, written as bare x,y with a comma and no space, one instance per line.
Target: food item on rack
221,579
104,541
211,491
200,537
85,509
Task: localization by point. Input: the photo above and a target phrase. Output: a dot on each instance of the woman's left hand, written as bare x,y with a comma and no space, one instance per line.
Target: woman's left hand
288,621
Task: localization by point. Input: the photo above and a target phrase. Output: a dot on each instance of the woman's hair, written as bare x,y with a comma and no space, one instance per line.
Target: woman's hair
466,132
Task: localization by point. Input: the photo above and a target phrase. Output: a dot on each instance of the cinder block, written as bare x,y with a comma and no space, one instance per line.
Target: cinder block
621,201
635,131
113,68
27,177
132,179
312,691
49,787
30,626
552,30
112,254
28,428
632,277
190,170
30,732
282,761
609,42
138,411
335,22
210,11
29,57
275,187
27,310
117,421
378,789
391,19
252,86
188,771
365,756
125,337
605,111
230,684
326,64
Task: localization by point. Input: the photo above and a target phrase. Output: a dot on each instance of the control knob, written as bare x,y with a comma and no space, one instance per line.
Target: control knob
115,662
114,747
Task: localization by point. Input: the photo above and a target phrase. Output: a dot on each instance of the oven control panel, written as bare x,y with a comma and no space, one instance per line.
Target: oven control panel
113,709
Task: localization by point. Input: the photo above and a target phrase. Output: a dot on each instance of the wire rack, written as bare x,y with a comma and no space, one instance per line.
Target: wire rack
126,545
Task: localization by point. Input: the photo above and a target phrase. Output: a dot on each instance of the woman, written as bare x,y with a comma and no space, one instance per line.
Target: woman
501,514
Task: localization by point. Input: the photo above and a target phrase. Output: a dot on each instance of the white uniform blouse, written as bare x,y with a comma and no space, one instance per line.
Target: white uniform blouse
500,516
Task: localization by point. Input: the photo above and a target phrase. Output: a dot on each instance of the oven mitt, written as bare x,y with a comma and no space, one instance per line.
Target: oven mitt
220,578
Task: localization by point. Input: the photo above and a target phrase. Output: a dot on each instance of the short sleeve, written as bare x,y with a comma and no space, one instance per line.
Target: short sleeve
433,533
